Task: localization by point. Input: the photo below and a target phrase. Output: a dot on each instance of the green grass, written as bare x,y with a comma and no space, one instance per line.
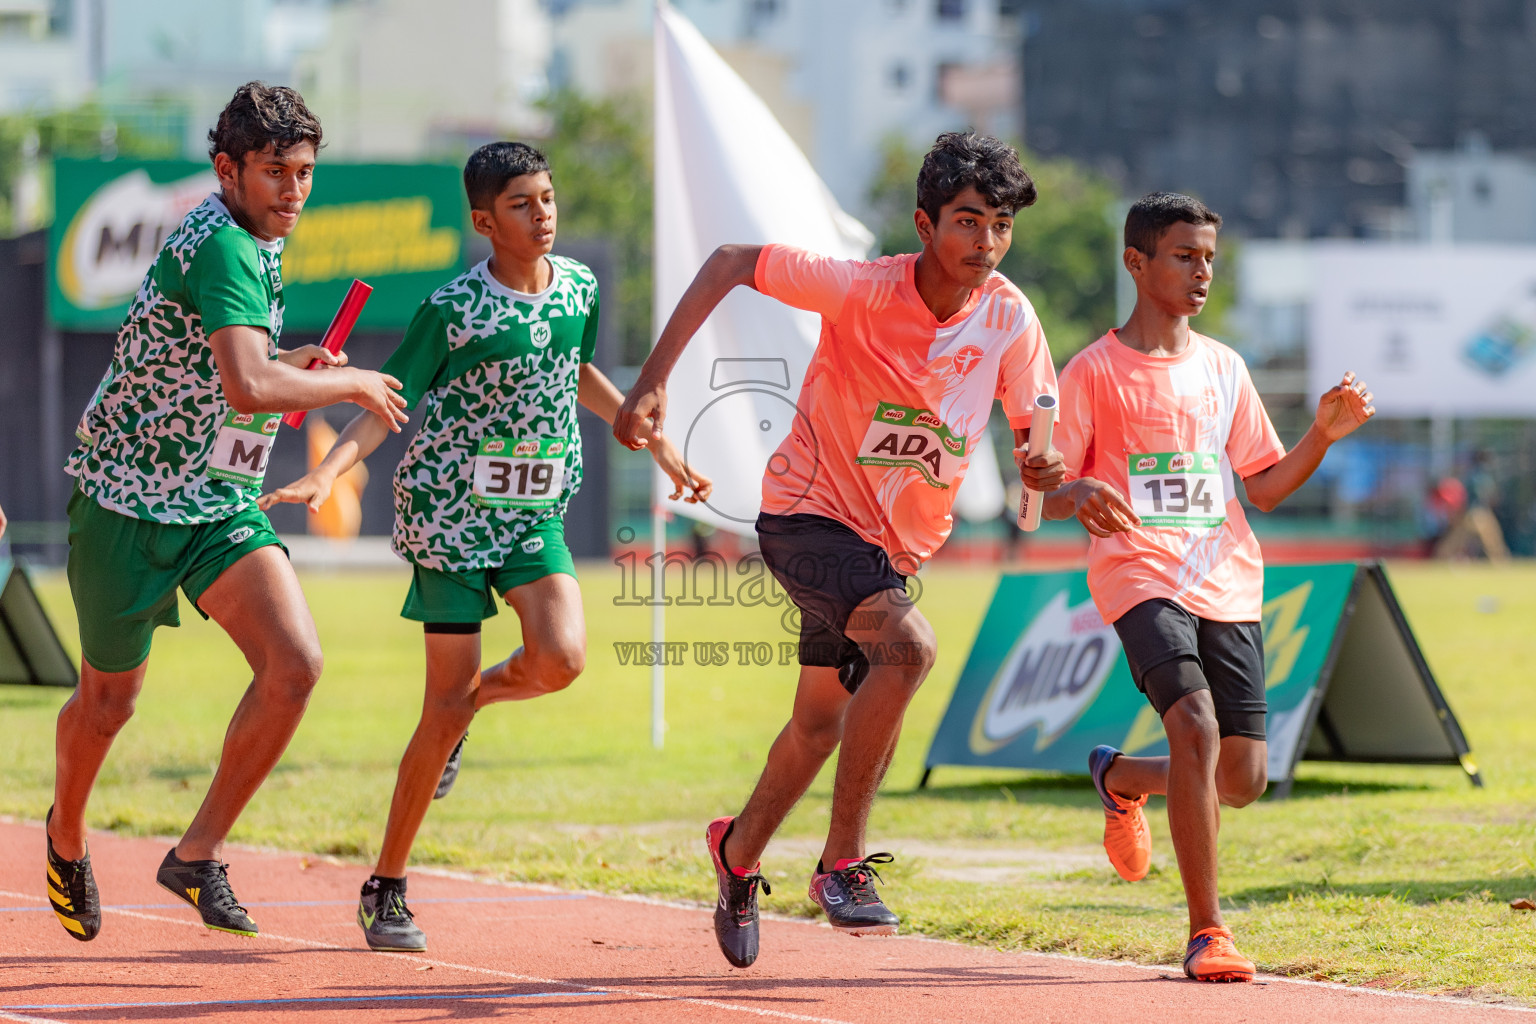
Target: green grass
1389,876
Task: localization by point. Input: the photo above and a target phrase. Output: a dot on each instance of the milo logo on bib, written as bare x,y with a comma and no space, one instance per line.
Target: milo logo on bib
900,437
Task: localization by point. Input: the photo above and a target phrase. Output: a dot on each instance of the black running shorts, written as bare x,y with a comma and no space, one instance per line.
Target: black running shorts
1230,656
828,570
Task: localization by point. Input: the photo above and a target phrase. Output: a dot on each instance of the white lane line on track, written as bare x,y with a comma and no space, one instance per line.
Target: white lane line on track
714,1004
21,1018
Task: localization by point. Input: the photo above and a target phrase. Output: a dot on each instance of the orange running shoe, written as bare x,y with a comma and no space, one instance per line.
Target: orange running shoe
1211,956
1127,839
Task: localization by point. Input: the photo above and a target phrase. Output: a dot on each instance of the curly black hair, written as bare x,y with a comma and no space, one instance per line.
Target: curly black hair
490,167
961,160
1150,217
259,116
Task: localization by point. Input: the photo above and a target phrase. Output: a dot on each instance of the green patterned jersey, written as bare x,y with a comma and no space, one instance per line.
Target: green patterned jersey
498,450
150,430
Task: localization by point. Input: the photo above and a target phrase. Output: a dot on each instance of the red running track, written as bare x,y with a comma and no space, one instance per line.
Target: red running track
502,951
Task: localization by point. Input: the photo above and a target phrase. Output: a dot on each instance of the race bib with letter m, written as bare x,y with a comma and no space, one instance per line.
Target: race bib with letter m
913,438
519,473
242,448
1180,489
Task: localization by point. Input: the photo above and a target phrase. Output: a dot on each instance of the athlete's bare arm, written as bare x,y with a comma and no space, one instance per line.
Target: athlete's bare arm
1340,412
255,384
358,440
597,393
727,267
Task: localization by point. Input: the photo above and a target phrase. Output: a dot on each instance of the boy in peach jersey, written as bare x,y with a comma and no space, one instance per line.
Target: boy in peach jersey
1156,421
913,351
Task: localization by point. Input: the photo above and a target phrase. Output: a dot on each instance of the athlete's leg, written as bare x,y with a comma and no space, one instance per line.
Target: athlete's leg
1194,815
554,650
258,602
88,723
803,746
900,646
1242,770
1241,773
453,674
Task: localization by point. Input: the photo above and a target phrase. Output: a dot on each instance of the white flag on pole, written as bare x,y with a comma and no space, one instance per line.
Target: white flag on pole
726,171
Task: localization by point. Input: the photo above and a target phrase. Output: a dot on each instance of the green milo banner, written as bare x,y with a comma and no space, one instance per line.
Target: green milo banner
1046,680
399,227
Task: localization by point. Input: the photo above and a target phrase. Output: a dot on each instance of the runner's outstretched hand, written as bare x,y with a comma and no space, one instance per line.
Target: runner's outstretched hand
312,489
682,475
379,393
645,402
1101,509
1344,407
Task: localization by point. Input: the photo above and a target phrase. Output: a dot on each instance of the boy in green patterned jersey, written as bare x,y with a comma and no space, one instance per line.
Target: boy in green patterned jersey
173,448
501,354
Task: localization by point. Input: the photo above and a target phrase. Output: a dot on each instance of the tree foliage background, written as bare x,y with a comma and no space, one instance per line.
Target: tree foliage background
600,155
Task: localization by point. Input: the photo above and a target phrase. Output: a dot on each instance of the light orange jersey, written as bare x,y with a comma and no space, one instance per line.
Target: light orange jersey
894,402
1168,433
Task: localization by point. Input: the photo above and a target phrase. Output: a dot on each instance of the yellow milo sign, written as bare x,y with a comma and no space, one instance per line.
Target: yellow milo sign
399,227
367,240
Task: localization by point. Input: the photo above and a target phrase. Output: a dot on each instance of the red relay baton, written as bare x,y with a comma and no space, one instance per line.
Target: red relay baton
336,334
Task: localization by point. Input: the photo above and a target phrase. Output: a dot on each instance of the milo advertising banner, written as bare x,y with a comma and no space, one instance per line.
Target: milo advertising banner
399,227
1046,680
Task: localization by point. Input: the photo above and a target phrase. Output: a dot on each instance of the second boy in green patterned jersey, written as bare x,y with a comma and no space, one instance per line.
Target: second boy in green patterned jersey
501,355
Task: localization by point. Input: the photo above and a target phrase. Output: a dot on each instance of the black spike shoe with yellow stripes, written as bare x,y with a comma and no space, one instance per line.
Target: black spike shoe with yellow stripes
72,891
205,885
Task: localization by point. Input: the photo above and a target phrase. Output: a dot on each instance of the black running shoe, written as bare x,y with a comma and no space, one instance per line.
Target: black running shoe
386,920
72,891
736,910
451,769
205,885
847,894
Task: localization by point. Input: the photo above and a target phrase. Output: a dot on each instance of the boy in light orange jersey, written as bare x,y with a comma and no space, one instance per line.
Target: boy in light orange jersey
1156,421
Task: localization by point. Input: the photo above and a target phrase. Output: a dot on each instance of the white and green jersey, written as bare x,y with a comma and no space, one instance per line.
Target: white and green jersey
498,450
150,433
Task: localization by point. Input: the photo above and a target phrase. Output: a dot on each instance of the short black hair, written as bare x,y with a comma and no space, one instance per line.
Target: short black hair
962,160
261,115
1150,217
490,167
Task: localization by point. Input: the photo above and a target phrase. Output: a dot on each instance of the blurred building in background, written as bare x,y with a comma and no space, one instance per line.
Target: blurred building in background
44,59
841,77
1294,118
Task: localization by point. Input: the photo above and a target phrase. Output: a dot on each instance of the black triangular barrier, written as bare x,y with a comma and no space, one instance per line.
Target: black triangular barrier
1377,700
30,651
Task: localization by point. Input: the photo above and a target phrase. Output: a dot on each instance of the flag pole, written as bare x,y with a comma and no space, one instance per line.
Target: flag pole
658,562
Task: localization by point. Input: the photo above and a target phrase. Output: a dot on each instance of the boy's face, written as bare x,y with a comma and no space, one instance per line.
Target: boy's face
1177,277
521,222
969,238
267,190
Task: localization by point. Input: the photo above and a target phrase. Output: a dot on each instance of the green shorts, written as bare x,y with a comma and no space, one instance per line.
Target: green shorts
123,573
469,595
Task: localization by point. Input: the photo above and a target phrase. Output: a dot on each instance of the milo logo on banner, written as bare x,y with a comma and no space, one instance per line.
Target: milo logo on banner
913,438
1049,678
114,237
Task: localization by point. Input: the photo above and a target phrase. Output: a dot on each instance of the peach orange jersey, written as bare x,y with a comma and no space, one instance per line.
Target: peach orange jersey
894,402
1168,433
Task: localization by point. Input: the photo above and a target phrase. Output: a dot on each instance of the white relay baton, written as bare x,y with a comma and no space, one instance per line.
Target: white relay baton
1040,427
